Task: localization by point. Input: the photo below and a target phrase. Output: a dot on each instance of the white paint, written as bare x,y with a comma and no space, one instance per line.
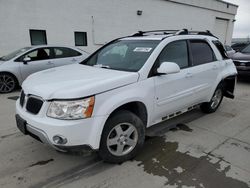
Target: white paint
104,20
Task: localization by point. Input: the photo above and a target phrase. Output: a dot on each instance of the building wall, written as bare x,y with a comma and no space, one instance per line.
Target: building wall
105,20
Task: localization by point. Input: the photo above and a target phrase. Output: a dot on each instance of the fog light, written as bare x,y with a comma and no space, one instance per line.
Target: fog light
59,139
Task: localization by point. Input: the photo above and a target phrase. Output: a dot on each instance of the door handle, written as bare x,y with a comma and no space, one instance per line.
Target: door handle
74,60
189,75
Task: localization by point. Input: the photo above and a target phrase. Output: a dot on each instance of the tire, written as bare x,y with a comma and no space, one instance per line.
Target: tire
213,105
8,83
122,137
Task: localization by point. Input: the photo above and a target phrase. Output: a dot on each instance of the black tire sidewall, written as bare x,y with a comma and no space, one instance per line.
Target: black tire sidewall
207,107
117,118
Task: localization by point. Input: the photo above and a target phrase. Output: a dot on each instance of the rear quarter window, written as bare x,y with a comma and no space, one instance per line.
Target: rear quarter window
221,49
62,52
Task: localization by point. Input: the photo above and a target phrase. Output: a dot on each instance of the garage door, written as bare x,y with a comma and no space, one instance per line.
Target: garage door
220,29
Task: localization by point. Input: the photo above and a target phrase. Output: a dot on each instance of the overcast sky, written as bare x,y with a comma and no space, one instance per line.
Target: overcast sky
242,24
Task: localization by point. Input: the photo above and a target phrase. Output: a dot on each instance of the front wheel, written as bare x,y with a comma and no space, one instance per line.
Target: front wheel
8,83
122,137
213,105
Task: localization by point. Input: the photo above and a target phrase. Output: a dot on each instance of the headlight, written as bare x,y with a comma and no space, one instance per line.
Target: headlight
70,110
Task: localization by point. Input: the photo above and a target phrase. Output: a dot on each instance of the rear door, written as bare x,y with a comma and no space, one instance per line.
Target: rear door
66,56
205,68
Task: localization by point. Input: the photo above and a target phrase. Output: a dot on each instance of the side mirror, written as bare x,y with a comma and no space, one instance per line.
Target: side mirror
168,68
26,60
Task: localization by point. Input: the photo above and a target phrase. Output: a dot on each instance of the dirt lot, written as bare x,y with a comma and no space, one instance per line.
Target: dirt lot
211,151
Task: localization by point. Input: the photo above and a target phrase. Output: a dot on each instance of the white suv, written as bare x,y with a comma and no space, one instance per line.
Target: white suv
128,85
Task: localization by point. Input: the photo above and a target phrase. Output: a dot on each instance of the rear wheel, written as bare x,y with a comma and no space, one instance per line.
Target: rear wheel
122,137
215,102
8,83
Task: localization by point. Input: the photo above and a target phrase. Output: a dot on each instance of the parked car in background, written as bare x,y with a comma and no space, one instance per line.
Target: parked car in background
230,51
18,65
239,46
242,61
106,102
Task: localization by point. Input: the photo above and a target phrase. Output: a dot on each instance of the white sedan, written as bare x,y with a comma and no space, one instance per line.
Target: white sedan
17,66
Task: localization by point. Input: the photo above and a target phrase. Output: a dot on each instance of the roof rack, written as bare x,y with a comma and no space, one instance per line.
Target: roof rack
173,32
154,32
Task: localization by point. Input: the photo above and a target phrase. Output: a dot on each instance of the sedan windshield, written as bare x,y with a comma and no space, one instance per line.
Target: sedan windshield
124,55
14,54
246,49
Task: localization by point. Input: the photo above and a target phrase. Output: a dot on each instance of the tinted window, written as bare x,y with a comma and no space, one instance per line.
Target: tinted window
176,52
65,52
221,49
38,37
201,52
39,54
246,50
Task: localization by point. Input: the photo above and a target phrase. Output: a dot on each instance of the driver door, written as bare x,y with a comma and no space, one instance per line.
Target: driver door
173,92
40,59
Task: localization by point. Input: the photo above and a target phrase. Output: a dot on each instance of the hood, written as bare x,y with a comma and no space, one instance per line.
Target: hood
1,62
241,56
75,81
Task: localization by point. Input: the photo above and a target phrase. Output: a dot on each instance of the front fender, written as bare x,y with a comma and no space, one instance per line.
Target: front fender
108,102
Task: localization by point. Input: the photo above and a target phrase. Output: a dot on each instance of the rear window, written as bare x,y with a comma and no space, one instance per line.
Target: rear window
221,49
201,52
62,52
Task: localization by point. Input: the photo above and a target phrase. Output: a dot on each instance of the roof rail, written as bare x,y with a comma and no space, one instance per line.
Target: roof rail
174,32
154,32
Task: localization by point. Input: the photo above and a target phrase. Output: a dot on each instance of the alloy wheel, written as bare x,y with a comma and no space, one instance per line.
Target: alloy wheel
7,83
122,139
216,99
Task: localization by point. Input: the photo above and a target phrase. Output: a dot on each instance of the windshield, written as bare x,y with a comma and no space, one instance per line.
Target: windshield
125,55
246,49
14,54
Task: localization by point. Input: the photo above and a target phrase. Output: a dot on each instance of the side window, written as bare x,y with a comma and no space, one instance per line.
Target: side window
201,52
65,52
176,52
38,55
221,49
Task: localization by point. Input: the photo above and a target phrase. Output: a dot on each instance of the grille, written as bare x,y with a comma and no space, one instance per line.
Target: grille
22,99
34,105
237,63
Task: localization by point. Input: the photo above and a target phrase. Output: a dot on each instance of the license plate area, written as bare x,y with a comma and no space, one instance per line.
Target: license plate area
21,124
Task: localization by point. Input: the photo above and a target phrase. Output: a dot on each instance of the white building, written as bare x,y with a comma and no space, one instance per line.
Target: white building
91,23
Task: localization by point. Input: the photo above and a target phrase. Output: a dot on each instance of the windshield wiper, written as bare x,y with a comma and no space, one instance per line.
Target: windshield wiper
102,66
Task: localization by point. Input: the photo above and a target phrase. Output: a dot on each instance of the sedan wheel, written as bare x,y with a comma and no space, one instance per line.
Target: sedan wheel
7,83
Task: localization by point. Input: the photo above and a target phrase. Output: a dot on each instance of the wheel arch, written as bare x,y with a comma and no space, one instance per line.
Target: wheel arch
10,73
136,107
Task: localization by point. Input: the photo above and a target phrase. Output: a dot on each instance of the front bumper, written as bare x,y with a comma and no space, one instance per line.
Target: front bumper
84,132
